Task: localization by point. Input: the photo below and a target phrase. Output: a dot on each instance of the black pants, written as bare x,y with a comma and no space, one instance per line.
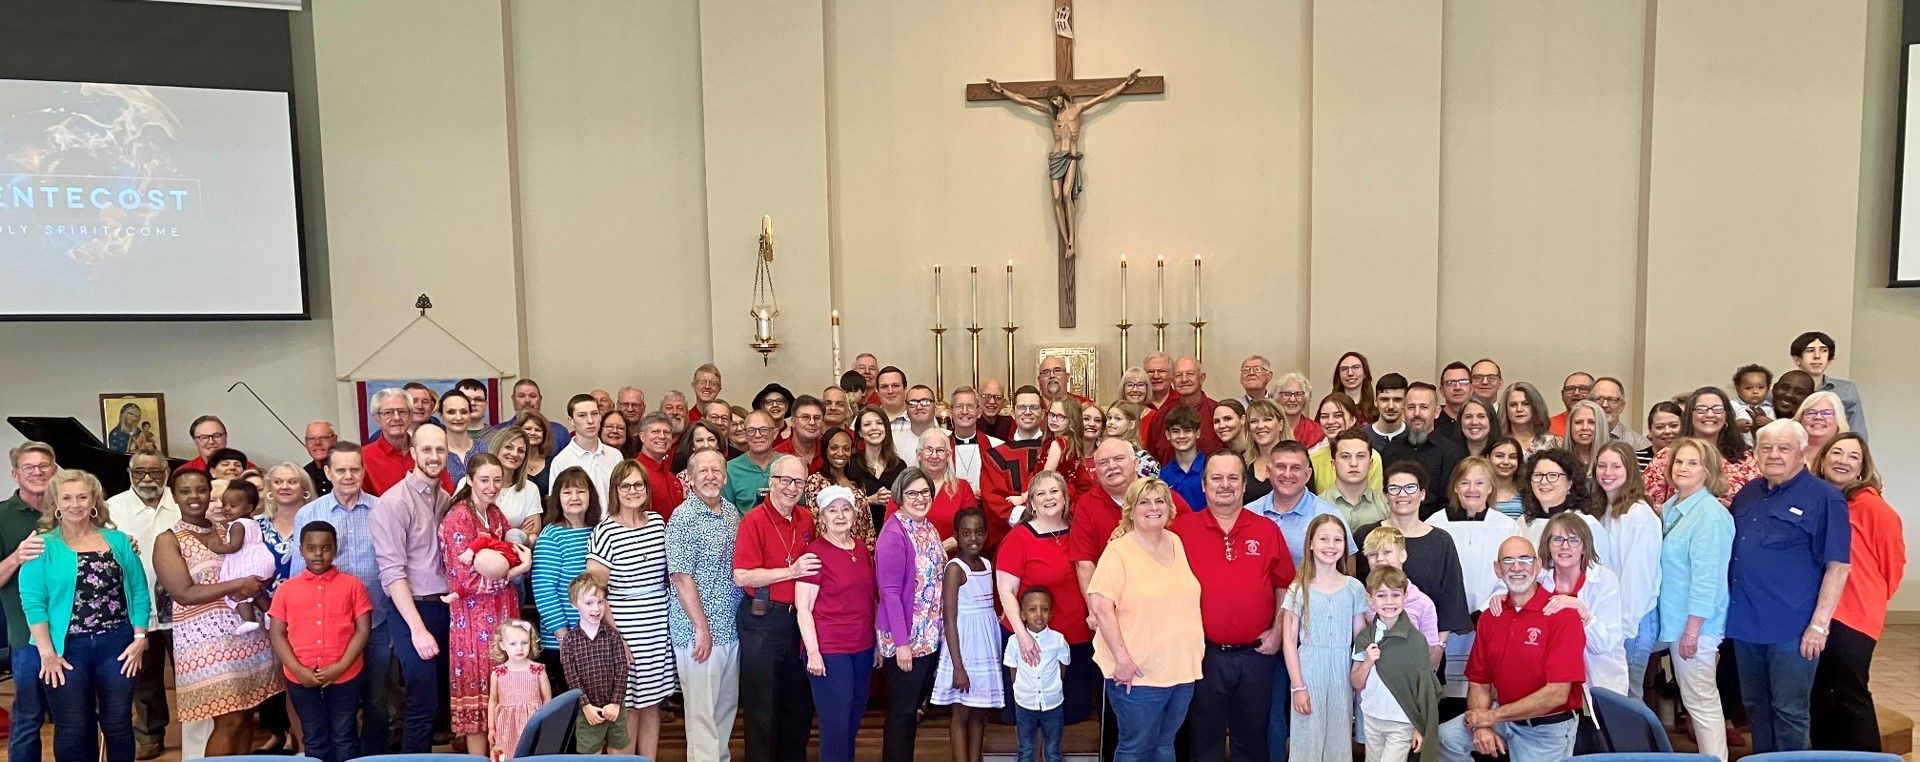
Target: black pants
150,713
1843,717
905,692
1233,699
775,696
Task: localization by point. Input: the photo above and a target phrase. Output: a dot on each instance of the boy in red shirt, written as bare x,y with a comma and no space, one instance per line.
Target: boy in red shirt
329,615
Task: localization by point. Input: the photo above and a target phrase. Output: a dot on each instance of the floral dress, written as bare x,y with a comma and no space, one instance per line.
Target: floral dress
285,550
482,606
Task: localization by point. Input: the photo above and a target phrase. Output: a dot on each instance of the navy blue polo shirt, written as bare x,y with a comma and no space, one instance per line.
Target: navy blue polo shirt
1783,539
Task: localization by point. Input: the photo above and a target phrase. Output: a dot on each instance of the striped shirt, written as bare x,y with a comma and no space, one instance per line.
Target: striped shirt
558,557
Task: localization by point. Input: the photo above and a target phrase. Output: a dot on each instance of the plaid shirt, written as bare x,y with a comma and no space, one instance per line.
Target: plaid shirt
596,665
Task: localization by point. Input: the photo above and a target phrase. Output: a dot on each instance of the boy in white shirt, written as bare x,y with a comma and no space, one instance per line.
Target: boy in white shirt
1399,696
1037,687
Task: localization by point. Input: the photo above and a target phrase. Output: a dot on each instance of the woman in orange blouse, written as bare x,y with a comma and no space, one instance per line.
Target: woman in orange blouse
1879,553
1708,415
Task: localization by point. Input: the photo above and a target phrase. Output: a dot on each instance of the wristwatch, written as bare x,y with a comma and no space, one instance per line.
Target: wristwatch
1816,628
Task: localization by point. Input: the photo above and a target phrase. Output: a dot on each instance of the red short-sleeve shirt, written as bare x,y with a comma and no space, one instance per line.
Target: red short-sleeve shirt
1239,570
769,541
321,612
1095,516
843,611
1039,560
1523,649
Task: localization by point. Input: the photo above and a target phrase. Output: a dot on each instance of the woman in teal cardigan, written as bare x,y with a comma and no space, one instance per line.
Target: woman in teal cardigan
86,600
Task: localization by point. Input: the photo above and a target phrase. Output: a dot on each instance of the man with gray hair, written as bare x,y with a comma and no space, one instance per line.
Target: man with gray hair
674,405
1791,552
769,554
1256,375
1188,391
143,513
1159,368
390,455
632,404
318,439
701,619
20,542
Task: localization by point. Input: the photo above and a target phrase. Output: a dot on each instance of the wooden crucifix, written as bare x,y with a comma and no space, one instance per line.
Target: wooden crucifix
1055,98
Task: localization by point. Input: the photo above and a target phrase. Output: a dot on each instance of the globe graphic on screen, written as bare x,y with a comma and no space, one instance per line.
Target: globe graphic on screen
113,136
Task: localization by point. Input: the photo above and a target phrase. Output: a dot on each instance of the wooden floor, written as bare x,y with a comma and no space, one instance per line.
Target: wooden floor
1896,685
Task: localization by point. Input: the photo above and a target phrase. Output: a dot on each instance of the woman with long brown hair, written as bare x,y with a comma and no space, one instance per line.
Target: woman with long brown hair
1879,561
1353,377
473,520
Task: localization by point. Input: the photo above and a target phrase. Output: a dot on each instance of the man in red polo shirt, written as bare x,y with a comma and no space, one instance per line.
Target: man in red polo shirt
809,418
656,460
768,555
1244,568
389,456
706,388
1531,661
1188,381
1097,513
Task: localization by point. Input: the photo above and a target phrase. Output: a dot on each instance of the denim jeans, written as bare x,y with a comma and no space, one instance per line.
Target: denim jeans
1776,686
840,698
1640,645
1045,722
1539,743
327,718
1148,719
29,704
420,676
376,728
94,697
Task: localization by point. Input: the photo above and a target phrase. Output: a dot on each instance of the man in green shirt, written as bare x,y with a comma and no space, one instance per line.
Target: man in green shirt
32,469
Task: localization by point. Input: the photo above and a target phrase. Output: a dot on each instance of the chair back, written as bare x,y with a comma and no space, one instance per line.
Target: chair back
550,729
1620,724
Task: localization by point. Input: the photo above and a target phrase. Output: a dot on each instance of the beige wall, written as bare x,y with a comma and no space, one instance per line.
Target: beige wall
1595,185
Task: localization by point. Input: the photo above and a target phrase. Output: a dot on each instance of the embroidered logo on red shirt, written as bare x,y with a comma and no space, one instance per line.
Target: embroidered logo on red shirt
1253,547
1533,636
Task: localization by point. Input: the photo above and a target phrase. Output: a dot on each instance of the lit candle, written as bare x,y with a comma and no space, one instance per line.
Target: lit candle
973,296
1160,285
836,342
1123,288
1009,292
936,296
766,227
1196,287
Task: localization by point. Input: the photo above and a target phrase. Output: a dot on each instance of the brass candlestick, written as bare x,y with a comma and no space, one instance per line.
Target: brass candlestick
1124,325
973,339
1199,340
1010,328
1160,334
939,362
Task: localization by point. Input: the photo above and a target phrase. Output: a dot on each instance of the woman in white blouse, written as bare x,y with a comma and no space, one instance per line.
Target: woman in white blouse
1477,529
1635,555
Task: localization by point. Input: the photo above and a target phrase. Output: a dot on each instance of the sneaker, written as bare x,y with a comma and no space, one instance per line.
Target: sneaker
246,627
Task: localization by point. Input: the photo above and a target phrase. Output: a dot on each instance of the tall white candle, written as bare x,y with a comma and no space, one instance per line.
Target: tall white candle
1196,287
837,369
1123,288
1009,292
973,296
1160,285
936,296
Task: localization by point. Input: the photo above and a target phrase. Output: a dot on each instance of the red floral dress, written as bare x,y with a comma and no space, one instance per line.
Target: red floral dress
482,606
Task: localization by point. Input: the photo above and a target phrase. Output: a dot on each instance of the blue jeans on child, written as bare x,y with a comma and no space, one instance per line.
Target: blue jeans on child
94,696
327,718
1046,722
1148,719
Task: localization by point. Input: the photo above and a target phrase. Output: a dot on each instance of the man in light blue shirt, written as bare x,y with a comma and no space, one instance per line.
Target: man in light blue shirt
1292,507
350,511
1290,504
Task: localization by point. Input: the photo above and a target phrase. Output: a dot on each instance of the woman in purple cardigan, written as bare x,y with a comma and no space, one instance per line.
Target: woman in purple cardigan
908,559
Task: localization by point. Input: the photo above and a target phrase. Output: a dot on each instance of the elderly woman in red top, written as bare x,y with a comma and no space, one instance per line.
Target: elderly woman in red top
482,603
1879,556
1709,412
835,608
950,493
1033,555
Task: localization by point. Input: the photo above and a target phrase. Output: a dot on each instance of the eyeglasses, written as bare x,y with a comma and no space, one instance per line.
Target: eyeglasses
322,440
1350,369
633,487
788,482
1293,395
157,473
1134,385
1402,489
1517,561
1820,415
1455,383
1053,371
758,431
919,403
1056,416
1253,369
222,435
918,495
925,451
1607,401
1485,378
1562,540
1712,409
1548,477
36,468
813,417
1026,408
1578,388
376,414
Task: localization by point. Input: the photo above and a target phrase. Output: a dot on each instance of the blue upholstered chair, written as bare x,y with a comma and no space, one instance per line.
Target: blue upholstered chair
550,729
1821,756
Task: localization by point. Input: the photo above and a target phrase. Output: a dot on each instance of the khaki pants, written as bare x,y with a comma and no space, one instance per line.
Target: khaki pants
711,694
1389,741
1701,695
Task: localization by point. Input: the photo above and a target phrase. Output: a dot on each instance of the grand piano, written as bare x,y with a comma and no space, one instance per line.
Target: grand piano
75,446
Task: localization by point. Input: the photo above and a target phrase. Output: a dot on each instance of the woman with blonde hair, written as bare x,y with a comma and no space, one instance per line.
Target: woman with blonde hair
1134,387
1523,415
520,499
1693,582
1266,429
1149,642
1621,493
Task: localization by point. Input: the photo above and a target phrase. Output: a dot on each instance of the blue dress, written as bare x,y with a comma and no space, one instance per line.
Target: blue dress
1326,642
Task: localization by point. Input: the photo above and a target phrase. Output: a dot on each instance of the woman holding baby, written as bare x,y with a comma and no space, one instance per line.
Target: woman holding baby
481,565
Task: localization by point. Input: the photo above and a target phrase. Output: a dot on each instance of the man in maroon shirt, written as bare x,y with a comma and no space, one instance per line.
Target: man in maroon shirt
421,402
769,554
1244,569
656,459
389,456
1532,662
1188,382
209,436
809,425
868,367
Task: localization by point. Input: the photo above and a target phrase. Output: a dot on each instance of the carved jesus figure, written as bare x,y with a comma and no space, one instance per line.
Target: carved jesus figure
1063,163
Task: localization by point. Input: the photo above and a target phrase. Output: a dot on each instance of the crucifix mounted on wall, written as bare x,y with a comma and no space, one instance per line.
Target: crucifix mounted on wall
1055,98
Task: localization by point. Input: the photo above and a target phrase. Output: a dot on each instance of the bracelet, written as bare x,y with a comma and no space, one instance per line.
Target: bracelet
1816,628
139,636
1301,689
